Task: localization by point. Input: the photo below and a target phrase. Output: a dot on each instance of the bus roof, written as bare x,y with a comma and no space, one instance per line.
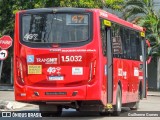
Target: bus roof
101,13
118,20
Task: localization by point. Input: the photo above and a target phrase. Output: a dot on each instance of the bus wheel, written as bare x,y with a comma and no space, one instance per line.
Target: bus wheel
135,105
117,107
104,113
50,110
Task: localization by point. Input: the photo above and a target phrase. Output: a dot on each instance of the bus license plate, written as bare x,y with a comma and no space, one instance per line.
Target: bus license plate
56,78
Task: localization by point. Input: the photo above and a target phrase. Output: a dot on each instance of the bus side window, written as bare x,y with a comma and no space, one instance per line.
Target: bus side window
133,45
116,41
127,50
122,41
124,45
139,46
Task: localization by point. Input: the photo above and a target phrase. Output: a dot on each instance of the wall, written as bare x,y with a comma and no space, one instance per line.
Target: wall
152,75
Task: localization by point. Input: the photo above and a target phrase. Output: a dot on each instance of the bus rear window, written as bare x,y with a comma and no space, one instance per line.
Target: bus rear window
55,28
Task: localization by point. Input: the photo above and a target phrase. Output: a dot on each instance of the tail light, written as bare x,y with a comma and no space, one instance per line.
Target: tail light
20,72
92,70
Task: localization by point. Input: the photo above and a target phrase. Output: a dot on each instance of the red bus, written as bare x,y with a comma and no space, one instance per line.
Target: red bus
87,59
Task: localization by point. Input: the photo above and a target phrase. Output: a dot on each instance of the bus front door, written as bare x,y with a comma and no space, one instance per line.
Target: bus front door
109,67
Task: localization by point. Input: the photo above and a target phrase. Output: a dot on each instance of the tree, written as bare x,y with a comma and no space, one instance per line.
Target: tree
152,23
134,8
115,4
142,12
81,3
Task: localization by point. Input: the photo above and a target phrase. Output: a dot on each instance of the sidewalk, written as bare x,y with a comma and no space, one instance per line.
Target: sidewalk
7,101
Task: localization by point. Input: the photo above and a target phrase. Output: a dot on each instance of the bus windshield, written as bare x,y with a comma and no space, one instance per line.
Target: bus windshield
55,28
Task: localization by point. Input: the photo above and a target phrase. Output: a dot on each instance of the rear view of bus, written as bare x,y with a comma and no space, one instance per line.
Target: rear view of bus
86,59
55,59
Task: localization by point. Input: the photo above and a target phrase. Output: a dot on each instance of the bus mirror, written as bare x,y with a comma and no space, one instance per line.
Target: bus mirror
148,43
149,59
148,48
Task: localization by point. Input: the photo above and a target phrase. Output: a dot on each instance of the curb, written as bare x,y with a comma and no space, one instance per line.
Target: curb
154,95
6,88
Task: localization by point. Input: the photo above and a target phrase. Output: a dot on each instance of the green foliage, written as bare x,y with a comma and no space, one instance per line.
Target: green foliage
138,7
142,12
6,22
81,3
115,4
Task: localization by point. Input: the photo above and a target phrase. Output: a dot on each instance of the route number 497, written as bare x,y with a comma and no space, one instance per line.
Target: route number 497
71,58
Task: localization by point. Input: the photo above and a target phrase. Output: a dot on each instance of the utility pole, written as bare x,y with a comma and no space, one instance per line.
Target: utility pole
11,78
1,66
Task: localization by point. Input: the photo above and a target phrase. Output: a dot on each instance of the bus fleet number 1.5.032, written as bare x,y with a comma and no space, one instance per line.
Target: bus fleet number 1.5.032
71,58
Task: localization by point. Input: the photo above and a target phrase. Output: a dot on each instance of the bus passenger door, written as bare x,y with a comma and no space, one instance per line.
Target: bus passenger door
107,52
109,65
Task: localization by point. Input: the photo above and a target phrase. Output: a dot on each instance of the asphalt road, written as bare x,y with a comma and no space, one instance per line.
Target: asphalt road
148,107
